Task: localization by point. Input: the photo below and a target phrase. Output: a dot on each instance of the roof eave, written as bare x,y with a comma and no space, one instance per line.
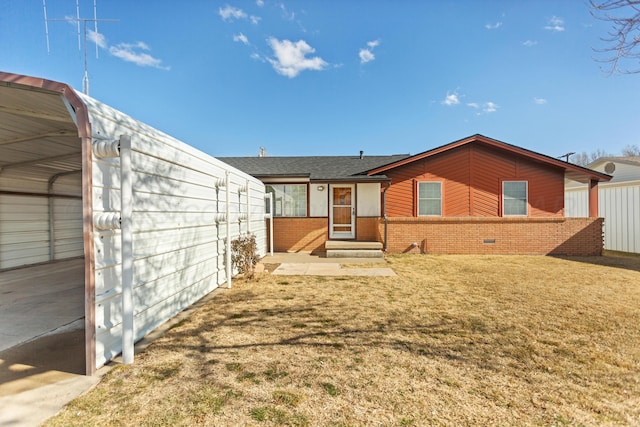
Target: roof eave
542,158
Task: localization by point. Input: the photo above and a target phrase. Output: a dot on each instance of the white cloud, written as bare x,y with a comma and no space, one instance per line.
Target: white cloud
529,43
451,99
539,101
229,13
366,55
489,107
134,52
493,26
97,38
473,105
373,44
555,24
255,19
290,58
286,14
260,3
240,38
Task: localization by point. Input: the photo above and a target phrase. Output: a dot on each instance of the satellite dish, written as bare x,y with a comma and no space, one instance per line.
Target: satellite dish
610,168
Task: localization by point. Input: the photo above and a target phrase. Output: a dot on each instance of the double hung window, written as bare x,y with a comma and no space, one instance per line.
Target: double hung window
515,198
429,199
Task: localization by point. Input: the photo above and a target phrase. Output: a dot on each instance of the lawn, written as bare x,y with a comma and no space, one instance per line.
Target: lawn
453,340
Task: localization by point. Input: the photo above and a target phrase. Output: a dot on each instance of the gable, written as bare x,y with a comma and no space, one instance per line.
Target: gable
471,177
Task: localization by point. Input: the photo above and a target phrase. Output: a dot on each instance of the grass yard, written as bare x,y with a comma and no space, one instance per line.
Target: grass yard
453,340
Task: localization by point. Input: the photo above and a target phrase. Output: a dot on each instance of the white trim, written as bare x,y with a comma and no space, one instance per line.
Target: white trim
343,234
526,183
418,197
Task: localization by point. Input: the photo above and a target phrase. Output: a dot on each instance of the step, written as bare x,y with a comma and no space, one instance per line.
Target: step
351,244
354,253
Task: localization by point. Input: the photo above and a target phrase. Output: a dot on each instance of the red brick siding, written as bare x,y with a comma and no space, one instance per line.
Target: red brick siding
367,229
300,234
536,236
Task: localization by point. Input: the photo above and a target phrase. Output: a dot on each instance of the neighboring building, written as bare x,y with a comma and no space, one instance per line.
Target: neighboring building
619,202
475,195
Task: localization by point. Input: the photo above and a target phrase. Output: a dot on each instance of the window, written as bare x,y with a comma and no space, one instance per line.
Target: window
514,198
430,199
289,199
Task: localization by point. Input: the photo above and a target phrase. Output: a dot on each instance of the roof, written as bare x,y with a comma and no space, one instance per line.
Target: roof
574,172
315,168
630,160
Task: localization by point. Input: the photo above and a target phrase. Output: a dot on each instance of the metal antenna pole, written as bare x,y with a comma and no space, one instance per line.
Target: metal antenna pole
46,24
85,77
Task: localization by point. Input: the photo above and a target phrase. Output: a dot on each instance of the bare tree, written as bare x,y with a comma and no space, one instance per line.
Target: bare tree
623,39
631,151
584,158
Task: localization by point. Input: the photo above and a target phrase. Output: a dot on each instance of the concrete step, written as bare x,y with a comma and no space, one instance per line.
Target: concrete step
351,245
354,253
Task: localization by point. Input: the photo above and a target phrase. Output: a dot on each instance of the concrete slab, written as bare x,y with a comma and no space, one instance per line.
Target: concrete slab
37,300
329,269
309,258
32,407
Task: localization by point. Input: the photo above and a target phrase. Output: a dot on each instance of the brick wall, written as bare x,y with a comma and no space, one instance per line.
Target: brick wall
541,236
299,234
504,236
367,229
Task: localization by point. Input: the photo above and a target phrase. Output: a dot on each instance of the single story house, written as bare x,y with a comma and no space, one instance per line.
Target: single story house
619,202
476,195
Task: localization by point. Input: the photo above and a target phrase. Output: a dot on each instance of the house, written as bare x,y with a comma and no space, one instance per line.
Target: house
125,225
619,202
475,195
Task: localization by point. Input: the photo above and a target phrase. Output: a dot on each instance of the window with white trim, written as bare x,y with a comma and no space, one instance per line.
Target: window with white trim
515,198
289,200
429,198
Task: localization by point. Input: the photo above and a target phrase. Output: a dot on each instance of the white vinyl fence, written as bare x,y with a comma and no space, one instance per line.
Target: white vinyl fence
619,205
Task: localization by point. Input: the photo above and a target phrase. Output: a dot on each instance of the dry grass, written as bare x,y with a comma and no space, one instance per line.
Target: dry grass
454,340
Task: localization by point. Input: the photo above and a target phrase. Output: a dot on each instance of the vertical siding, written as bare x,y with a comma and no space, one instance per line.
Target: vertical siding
472,178
178,237
619,205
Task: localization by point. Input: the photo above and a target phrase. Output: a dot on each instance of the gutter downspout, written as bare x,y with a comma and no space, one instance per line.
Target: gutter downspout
384,214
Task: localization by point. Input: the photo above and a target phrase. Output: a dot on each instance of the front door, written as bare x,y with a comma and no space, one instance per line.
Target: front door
342,212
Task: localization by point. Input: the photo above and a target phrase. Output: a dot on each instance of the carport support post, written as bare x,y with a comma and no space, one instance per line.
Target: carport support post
228,224
127,248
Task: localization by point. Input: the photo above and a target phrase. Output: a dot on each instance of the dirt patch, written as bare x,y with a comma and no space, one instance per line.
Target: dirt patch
453,340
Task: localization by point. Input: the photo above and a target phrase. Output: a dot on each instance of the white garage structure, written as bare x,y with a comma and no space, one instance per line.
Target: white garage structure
147,215
619,202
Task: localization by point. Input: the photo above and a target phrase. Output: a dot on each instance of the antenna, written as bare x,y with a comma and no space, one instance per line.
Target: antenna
78,20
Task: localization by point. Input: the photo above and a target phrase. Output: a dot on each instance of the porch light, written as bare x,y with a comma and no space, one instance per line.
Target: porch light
320,188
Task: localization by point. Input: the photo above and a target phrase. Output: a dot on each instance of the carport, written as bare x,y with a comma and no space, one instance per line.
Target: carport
42,269
106,219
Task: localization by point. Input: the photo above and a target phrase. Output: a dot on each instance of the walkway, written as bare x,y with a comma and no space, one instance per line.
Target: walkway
304,264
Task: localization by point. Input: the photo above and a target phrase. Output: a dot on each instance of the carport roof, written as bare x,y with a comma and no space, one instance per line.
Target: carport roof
39,136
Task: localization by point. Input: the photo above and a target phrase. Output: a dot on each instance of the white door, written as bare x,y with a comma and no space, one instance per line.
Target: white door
342,212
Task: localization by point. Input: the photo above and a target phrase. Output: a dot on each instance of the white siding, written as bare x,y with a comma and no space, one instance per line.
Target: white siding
318,200
178,243
368,199
619,205
24,230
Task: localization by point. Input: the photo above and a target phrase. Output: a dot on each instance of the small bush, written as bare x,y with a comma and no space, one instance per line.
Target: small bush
244,254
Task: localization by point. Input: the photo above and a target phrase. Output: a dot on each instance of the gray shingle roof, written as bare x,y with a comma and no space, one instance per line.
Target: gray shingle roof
317,168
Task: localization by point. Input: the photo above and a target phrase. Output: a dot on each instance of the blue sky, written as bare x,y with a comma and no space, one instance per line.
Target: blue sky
336,77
